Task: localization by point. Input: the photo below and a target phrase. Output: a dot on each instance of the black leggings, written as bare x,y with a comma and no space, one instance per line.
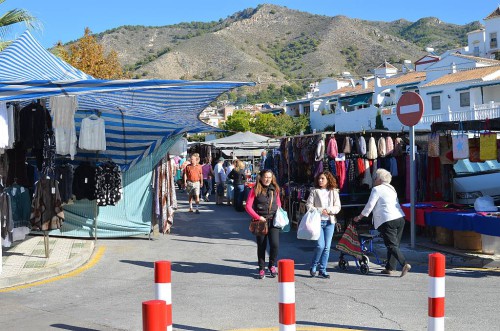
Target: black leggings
274,241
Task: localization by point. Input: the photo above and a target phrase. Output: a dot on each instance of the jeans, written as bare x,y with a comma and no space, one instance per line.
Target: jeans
274,240
322,251
207,187
391,232
238,197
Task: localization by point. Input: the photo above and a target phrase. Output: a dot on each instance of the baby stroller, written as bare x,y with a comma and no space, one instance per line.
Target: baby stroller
357,246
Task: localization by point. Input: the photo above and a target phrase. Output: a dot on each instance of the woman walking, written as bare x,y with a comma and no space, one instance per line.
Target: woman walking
208,173
388,219
262,203
325,198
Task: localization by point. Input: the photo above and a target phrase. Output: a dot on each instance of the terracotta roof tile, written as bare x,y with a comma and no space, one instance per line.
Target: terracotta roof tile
476,74
495,13
409,77
350,90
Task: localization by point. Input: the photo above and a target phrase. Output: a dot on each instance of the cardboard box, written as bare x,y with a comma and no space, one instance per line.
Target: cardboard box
443,236
491,244
467,240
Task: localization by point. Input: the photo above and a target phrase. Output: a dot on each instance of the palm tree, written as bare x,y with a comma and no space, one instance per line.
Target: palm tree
12,17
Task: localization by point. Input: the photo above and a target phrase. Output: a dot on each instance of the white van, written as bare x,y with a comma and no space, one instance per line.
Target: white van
476,179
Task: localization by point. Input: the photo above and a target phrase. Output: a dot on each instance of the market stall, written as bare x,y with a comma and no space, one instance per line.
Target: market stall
138,121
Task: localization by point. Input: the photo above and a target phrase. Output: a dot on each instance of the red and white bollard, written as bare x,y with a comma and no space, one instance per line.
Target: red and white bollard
163,288
153,315
437,263
286,283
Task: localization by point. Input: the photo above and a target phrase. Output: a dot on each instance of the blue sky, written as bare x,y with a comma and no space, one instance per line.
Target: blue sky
66,20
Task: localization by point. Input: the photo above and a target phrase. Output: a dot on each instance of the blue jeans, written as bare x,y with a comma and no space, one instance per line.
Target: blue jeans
238,197
322,250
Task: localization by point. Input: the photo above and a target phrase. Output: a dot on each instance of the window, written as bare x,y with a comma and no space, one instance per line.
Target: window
436,102
465,99
476,50
493,40
307,110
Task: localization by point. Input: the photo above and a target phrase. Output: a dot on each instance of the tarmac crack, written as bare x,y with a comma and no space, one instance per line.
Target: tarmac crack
381,313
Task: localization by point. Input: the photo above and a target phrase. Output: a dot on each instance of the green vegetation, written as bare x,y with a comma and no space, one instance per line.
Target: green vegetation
351,54
271,94
149,58
267,124
288,57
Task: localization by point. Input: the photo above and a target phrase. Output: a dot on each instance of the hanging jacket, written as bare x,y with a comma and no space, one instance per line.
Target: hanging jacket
382,151
389,145
372,149
361,145
332,148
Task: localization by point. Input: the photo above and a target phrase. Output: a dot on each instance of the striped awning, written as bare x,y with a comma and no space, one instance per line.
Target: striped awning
139,114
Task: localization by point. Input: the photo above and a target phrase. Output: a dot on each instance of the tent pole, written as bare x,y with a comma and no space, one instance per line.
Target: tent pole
95,221
46,243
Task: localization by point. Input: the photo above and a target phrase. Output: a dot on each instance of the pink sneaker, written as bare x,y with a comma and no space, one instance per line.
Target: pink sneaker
273,271
262,274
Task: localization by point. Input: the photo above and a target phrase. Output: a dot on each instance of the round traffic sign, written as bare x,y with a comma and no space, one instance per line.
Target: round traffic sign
410,108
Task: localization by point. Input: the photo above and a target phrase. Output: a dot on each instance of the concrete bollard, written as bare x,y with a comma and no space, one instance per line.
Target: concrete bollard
163,289
286,283
153,315
437,264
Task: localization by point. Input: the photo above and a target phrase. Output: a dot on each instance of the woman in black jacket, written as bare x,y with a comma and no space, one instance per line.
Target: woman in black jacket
238,177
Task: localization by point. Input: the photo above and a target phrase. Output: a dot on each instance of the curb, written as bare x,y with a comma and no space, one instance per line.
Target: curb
49,272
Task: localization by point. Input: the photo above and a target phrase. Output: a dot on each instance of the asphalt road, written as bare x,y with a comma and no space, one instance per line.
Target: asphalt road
215,287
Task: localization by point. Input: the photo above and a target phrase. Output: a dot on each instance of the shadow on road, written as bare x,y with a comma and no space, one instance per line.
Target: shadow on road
327,325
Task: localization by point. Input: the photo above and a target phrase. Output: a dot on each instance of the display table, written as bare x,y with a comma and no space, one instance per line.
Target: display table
421,209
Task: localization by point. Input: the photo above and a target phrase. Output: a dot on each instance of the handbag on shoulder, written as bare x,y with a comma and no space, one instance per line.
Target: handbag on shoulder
258,228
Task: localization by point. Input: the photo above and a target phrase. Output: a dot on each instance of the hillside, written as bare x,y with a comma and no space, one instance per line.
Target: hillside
276,44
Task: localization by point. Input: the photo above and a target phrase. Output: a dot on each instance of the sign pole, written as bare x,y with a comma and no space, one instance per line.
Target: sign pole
412,185
410,109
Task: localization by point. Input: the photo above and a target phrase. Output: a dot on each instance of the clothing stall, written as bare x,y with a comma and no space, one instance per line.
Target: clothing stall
94,145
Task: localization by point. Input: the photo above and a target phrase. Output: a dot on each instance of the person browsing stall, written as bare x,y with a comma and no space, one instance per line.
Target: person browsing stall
262,203
325,198
220,179
193,181
388,219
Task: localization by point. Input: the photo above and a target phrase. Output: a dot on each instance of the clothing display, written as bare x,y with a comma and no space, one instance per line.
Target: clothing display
108,188
34,121
46,210
65,175
63,110
165,198
84,181
92,134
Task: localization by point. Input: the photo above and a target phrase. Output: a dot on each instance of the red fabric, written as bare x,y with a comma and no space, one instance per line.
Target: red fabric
340,166
420,211
361,167
349,243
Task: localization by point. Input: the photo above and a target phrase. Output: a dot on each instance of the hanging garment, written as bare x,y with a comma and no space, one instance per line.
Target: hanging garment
332,148
92,134
46,211
18,169
64,175
389,145
372,149
320,150
381,148
361,145
63,110
20,204
346,148
433,145
367,177
4,126
34,121
398,147
6,220
84,181
341,173
108,187
49,155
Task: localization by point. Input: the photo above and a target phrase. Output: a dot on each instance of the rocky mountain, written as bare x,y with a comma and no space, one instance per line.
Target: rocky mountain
275,44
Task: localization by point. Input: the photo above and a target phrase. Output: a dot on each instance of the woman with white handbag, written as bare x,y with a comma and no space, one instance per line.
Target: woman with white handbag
326,200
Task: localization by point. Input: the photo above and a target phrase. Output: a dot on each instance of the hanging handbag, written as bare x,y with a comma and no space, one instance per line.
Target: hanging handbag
460,144
487,146
433,145
474,149
445,150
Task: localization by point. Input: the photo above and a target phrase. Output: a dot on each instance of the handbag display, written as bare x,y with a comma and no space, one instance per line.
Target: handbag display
433,145
258,228
460,143
487,146
474,150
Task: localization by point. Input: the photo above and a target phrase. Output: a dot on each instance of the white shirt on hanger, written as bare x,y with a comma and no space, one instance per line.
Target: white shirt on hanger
4,126
92,134
63,110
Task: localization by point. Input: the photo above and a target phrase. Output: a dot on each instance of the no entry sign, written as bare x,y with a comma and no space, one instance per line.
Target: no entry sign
410,108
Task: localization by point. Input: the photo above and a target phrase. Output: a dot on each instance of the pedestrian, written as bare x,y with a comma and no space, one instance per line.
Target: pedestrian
220,180
229,183
179,176
238,177
263,159
388,219
193,181
325,198
262,203
208,173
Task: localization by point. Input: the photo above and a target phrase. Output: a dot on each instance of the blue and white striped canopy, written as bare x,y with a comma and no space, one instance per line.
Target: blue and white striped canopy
139,114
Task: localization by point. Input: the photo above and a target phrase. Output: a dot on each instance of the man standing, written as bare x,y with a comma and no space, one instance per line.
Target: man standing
193,181
263,159
220,179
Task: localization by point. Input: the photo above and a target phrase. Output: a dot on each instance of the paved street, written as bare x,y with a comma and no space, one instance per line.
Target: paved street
215,287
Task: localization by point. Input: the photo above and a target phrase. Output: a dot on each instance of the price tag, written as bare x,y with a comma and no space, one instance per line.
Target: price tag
14,191
34,109
53,190
22,189
86,180
60,177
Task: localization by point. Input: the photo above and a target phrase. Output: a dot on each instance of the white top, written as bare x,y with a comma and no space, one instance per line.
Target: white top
219,170
4,126
323,199
384,203
66,141
92,134
63,110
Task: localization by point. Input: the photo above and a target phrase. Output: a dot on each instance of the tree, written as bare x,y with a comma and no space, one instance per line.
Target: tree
11,18
240,121
88,55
